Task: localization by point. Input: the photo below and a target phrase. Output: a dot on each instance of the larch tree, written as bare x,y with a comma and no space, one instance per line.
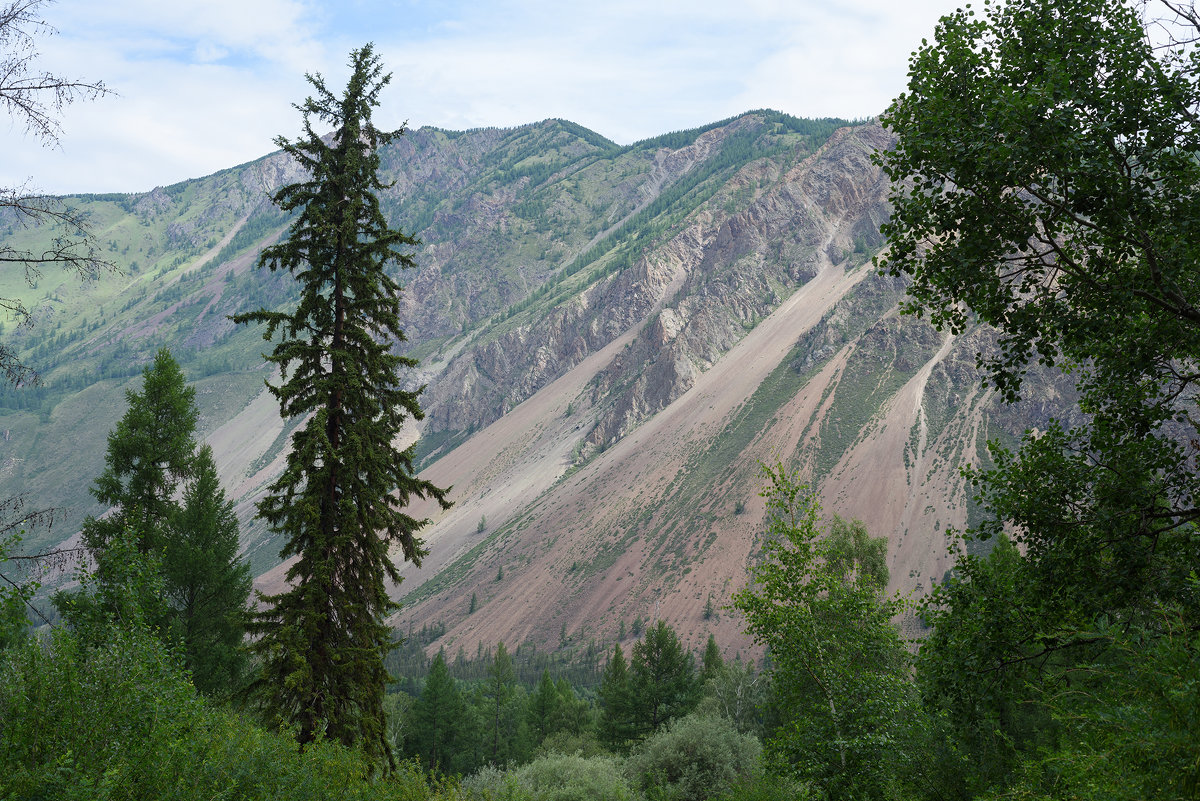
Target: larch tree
207,583
543,706
662,680
151,451
573,714
150,454
340,502
192,546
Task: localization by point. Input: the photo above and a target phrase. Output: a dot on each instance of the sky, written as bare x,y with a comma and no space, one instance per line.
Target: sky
201,85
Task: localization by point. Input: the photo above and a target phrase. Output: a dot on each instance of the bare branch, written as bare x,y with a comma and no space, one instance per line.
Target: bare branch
17,587
14,517
36,98
33,97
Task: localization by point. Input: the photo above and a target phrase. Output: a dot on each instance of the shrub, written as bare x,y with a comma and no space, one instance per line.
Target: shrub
554,777
491,783
767,787
583,744
121,720
78,717
694,758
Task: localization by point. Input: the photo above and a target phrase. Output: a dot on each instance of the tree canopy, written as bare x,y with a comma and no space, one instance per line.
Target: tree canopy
207,582
191,542
151,452
839,669
1045,181
662,680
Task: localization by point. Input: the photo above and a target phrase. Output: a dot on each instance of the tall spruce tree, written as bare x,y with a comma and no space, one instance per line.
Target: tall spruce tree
340,501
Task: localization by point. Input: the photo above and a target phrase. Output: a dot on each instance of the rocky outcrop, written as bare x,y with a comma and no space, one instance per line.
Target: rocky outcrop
768,228
503,368
742,266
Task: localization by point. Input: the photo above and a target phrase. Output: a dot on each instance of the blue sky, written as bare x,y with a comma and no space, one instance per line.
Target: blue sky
207,84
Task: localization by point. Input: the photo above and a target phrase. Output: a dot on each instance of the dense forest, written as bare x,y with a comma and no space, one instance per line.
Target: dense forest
1044,183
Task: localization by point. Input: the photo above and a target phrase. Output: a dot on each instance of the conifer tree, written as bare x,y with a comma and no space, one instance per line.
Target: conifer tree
713,661
193,547
572,714
437,717
662,679
499,698
150,452
616,703
340,502
207,584
543,707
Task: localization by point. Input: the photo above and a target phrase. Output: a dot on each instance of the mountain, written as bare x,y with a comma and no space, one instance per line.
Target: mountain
611,339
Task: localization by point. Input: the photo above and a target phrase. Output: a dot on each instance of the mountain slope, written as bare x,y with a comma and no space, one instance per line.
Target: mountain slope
611,338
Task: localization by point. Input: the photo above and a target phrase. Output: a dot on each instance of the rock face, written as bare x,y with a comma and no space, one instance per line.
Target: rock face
734,257
611,340
736,268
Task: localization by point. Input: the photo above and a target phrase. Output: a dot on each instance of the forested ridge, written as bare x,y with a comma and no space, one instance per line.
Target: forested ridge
1043,184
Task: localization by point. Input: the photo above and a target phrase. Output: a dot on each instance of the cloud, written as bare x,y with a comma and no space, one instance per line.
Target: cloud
205,84
633,70
198,85
282,32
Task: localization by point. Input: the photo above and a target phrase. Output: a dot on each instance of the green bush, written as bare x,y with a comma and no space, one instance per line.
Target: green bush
694,758
121,720
767,787
554,777
583,744
491,783
83,721
558,777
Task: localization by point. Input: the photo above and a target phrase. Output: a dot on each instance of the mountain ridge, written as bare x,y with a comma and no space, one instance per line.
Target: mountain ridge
611,338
